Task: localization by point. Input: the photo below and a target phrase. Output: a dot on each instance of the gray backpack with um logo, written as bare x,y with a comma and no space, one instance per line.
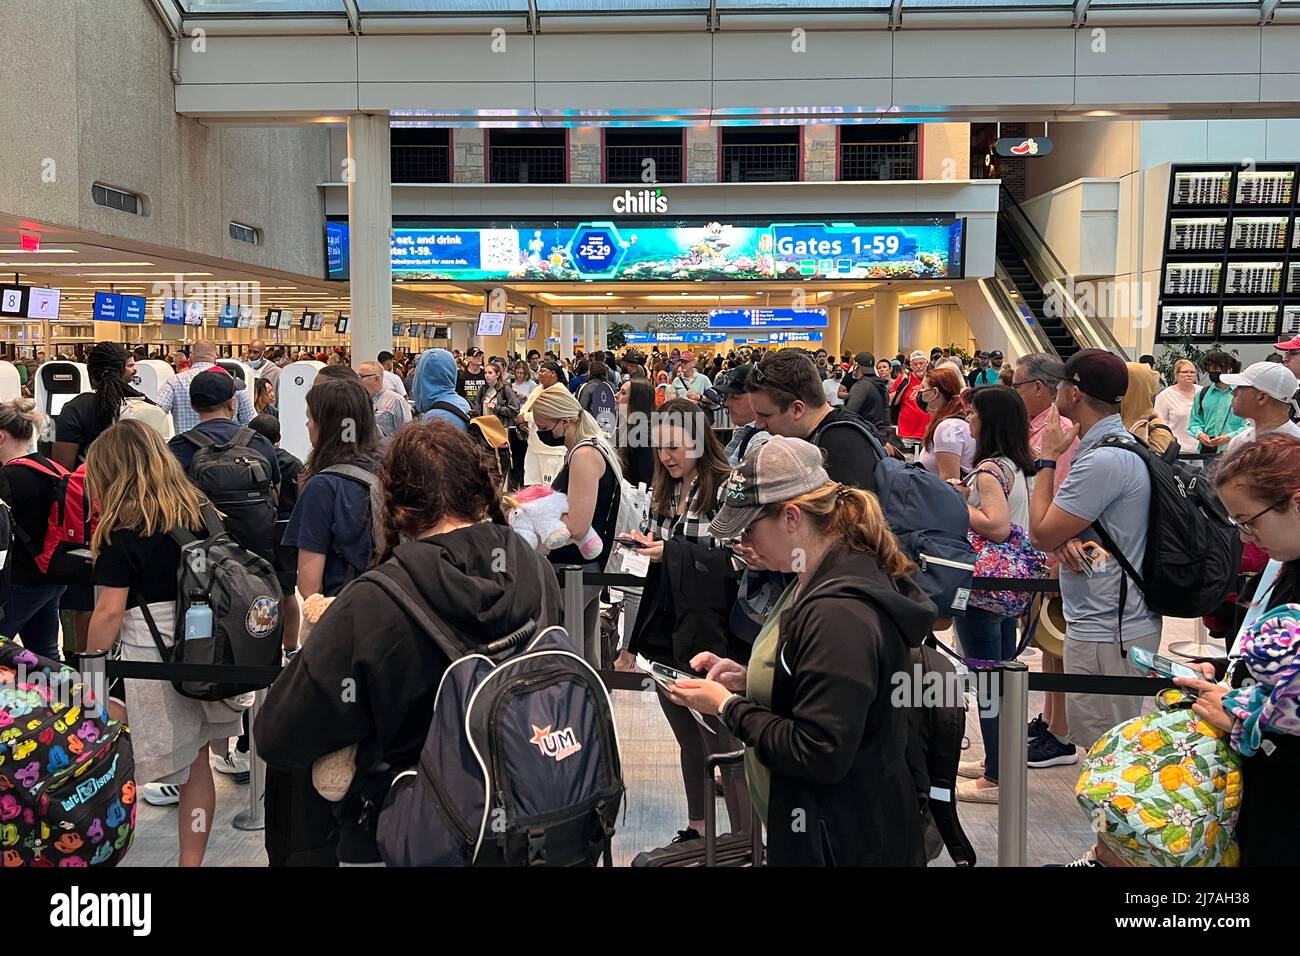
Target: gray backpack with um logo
241,589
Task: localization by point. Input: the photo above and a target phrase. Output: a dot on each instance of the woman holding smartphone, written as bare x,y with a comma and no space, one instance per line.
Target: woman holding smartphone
688,596
1260,486
824,744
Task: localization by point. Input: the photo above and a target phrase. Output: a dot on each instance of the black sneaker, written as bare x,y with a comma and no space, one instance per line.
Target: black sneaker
1050,751
1037,727
690,833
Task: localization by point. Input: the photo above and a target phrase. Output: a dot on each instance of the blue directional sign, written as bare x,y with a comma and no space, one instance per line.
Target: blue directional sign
596,249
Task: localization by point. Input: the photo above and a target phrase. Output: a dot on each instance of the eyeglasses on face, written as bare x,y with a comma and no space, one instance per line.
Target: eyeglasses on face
1029,381
1246,526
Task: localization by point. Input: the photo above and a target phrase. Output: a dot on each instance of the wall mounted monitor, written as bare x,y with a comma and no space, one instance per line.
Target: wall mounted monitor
429,329
108,307
441,333
399,328
532,331
272,318
491,323
317,321
42,303
246,317
173,312
229,317
304,323
193,312
13,300
341,326
413,331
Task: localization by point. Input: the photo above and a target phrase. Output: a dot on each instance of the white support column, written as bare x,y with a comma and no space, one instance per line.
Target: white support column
566,335
370,220
602,330
589,332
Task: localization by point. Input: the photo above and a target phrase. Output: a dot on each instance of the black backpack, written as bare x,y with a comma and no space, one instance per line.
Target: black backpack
930,520
241,589
520,766
236,478
1193,551
370,481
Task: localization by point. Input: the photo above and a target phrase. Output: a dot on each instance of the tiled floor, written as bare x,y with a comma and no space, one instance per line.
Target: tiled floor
1058,830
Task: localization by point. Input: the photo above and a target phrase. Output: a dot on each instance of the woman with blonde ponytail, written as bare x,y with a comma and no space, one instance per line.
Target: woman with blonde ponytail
590,477
825,738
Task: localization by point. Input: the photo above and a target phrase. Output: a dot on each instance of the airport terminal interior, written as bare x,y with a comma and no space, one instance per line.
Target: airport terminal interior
1011,193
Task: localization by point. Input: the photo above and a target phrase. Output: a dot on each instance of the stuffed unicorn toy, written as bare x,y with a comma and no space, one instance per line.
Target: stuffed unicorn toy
536,516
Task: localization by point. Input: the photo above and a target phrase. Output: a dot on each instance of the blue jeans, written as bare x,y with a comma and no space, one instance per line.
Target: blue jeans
987,636
33,612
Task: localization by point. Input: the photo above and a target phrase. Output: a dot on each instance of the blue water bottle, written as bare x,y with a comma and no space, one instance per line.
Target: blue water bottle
198,619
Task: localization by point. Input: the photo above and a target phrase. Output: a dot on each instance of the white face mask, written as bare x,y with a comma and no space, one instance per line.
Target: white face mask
255,363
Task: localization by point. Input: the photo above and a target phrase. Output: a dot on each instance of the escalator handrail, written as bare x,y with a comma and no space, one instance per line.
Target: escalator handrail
1050,272
1031,335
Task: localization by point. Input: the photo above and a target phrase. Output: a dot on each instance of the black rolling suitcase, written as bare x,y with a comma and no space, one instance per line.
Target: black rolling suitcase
734,849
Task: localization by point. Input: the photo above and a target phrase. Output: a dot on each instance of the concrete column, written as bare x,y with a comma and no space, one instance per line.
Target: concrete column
469,155
945,150
834,333
885,315
589,332
543,319
458,337
701,154
494,344
602,329
566,335
584,154
370,217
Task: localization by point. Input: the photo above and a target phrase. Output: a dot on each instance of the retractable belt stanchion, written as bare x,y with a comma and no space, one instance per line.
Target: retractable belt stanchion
574,614
1013,770
93,667
254,818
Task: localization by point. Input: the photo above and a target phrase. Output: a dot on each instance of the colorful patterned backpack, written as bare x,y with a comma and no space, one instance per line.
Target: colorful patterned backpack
1014,558
1164,789
67,787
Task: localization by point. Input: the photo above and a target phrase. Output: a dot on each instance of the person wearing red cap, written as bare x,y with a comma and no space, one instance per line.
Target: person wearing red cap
1107,487
1290,351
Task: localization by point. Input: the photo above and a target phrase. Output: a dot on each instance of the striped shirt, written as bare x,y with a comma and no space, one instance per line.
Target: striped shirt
690,524
391,412
174,398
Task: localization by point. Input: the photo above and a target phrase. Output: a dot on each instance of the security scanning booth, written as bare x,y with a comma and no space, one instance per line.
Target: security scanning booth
150,376
296,380
57,383
11,386
240,371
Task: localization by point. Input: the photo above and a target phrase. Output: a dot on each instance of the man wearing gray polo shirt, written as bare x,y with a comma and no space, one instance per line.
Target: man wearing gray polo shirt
1109,486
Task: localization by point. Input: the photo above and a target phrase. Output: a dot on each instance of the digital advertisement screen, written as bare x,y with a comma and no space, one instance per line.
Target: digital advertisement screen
399,328
193,312
42,303
272,318
440,333
304,323
173,312
532,331
430,330
341,326
801,250
413,331
317,321
229,318
491,323
767,318
246,317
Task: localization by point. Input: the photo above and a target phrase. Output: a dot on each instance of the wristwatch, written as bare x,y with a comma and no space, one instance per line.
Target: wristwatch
1045,463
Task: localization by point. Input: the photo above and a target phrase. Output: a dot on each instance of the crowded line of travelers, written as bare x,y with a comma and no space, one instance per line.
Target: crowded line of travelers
783,586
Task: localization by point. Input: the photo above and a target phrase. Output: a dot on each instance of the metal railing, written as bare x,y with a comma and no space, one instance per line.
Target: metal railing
626,164
1025,336
1054,278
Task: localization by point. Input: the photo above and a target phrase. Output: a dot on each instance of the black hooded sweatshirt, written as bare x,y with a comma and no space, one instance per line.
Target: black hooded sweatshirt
368,675
842,792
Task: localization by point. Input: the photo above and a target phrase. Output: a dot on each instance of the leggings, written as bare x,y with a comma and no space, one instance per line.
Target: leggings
696,744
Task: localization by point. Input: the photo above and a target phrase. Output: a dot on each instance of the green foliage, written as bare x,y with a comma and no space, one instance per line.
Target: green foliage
959,353
1184,348
616,335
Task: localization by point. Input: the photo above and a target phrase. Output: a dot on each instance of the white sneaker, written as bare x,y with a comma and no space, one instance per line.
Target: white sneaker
972,769
233,763
161,794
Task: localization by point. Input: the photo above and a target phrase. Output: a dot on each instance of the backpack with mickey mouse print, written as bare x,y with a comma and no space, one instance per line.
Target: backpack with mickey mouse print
67,775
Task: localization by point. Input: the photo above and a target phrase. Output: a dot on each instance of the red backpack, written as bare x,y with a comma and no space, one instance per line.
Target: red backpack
65,553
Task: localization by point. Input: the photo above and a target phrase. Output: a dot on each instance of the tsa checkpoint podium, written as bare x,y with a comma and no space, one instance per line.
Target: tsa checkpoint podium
57,383
11,385
296,379
150,376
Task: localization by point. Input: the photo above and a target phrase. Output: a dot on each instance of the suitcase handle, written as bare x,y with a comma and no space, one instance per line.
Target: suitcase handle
711,763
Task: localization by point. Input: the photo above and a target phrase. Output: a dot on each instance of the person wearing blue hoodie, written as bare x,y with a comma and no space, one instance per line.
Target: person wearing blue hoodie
435,390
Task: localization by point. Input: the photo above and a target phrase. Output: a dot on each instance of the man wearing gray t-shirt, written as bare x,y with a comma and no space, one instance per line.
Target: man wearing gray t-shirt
1109,486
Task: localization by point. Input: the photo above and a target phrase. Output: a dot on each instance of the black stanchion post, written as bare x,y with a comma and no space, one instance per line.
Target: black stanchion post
575,615
1013,770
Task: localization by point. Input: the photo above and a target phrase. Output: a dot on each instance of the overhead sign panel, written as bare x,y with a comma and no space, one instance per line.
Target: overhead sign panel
670,251
767,319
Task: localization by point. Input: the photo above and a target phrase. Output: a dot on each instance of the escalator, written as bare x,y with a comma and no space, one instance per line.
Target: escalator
1029,273
1030,295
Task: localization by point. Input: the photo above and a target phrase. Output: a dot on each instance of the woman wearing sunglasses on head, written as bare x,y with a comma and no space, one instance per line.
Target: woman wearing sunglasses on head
824,744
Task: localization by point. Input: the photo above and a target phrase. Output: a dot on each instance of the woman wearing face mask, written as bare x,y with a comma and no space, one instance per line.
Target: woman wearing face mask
589,477
947,450
1174,404
688,595
1259,485
1213,424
